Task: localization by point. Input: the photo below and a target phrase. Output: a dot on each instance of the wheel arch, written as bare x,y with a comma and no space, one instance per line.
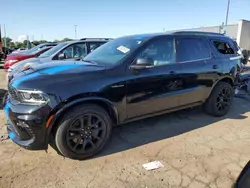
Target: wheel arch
226,79
104,103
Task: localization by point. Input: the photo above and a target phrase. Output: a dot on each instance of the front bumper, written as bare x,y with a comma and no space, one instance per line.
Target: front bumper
26,124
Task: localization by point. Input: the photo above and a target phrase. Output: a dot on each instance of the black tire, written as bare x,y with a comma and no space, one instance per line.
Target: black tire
76,118
212,104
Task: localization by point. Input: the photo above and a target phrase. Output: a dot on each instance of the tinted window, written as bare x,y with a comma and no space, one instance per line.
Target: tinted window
53,50
160,51
223,47
191,49
75,51
93,46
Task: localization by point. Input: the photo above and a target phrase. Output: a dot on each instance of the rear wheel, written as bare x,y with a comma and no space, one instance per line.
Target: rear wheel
83,132
220,100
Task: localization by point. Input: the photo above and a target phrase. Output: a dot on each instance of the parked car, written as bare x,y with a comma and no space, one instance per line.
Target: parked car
76,103
12,59
73,50
35,48
18,50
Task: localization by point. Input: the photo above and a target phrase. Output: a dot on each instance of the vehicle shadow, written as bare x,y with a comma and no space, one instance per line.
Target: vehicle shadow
2,94
142,132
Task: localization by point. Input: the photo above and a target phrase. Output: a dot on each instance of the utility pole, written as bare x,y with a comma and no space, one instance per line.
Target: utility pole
75,31
228,5
4,31
1,46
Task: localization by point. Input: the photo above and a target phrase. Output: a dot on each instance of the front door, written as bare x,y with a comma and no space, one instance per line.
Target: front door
156,88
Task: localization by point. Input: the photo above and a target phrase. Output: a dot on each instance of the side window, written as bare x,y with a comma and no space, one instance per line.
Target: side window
75,51
223,47
93,46
80,50
160,51
189,49
68,52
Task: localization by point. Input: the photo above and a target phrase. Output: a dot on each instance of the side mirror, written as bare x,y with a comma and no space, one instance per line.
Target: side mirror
245,54
243,180
61,56
143,63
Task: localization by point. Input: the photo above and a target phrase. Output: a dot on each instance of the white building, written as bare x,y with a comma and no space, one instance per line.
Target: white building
240,32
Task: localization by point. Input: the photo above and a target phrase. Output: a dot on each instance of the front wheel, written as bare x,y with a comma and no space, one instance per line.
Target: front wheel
83,131
220,100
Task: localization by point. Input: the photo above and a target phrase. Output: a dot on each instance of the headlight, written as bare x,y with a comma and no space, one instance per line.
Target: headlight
32,97
11,61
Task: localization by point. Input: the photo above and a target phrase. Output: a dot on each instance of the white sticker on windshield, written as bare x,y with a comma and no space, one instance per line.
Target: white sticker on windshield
123,49
139,42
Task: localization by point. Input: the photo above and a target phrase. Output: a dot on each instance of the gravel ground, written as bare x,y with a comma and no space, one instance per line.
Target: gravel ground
196,150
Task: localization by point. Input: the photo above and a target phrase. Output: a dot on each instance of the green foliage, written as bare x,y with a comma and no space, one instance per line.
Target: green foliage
66,39
23,44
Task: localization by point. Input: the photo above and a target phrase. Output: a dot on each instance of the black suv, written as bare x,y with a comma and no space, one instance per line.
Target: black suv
76,104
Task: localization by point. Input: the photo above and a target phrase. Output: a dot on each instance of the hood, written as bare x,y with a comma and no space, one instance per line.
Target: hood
23,62
49,73
30,61
18,55
64,67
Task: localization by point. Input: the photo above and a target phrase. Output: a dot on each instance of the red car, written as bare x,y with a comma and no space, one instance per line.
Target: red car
16,57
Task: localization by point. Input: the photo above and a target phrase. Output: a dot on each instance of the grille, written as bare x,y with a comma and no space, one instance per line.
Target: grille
13,93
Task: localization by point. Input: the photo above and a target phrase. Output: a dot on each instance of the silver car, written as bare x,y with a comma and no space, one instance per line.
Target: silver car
74,50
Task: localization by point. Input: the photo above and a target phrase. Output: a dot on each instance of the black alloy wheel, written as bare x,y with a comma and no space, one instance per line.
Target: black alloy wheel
83,131
86,133
224,99
220,99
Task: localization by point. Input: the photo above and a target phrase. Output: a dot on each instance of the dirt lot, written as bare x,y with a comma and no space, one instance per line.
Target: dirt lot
196,150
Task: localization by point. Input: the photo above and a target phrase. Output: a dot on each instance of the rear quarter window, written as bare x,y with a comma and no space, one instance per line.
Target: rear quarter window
223,47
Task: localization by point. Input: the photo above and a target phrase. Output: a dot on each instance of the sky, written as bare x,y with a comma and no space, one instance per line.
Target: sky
56,19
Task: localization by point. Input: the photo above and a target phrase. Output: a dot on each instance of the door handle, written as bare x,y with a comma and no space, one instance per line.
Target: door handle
172,72
215,66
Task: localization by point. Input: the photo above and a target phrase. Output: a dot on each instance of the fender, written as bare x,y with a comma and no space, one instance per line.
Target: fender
72,103
217,81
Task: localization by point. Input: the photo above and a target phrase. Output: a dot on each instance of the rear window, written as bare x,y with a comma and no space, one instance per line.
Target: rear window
223,47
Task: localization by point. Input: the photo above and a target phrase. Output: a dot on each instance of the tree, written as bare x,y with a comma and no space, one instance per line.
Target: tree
8,40
11,45
66,39
37,42
19,45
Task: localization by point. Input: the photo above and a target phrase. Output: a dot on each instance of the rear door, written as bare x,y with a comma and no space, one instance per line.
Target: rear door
198,68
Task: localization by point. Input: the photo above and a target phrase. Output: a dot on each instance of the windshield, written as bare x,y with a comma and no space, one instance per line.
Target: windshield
34,49
112,52
52,50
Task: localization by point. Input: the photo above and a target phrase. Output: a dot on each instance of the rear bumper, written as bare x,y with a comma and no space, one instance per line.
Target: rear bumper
26,125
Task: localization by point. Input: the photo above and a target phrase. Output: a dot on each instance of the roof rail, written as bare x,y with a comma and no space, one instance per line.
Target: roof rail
198,33
96,39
